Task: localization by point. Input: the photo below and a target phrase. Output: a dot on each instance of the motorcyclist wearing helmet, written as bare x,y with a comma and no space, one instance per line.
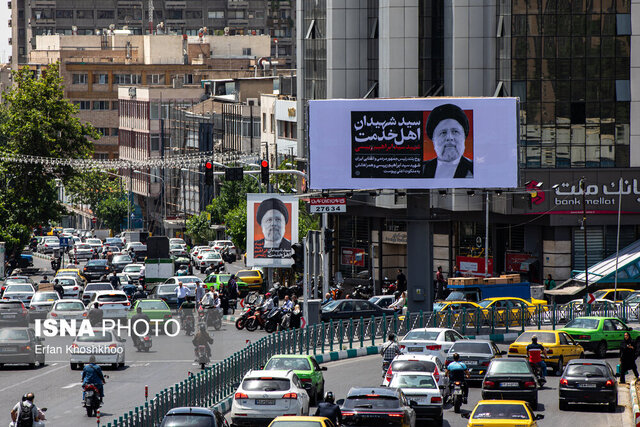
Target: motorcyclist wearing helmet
138,294
329,409
458,371
202,337
138,326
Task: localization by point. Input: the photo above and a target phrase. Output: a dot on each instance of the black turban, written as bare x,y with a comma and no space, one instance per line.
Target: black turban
443,112
269,204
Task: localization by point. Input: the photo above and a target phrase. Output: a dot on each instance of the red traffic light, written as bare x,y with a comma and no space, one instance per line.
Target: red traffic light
208,165
264,164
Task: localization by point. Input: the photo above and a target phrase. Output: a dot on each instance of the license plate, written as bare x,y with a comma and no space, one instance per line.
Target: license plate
421,400
7,349
509,384
9,316
587,386
265,401
415,349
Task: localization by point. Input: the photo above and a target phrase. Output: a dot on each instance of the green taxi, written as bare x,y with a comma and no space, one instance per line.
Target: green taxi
306,368
599,334
156,309
214,281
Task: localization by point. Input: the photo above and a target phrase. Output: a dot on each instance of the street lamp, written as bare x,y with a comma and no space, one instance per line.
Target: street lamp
584,231
164,199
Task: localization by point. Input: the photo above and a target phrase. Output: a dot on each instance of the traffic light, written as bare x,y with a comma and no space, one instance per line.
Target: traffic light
233,174
328,239
298,257
208,173
264,172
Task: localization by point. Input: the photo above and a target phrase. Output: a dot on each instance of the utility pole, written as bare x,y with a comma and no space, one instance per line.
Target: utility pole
584,230
150,16
129,197
325,256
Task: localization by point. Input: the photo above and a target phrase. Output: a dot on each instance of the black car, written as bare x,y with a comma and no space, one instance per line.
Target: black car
351,309
588,381
13,312
192,416
95,269
119,262
18,346
166,293
476,355
91,289
377,406
510,379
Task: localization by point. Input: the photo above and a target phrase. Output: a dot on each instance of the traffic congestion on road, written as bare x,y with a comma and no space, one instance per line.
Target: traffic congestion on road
431,376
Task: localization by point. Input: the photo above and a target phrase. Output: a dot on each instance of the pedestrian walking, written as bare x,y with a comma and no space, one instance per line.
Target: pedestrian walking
627,357
440,284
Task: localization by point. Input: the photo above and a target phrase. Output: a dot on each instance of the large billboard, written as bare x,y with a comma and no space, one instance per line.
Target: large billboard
272,227
413,143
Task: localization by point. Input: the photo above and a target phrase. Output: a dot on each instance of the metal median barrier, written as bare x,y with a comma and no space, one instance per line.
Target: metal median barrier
212,385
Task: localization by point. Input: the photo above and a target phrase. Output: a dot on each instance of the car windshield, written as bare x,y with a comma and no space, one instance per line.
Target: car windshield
543,337
330,306
45,296
94,241
212,255
582,323
101,262
599,294
372,401
191,420
133,268
413,381
295,424
83,246
98,287
286,363
98,336
470,347
586,370
422,335
413,365
485,303
266,384
16,280
633,298
192,280
69,306
10,305
175,246
14,335
112,298
122,258
153,305
247,274
19,288
499,367
490,411
166,289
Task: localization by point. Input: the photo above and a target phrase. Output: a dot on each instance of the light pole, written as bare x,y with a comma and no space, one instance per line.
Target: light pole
164,199
583,190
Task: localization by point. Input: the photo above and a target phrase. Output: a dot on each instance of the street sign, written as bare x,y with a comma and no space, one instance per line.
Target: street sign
64,242
328,204
590,298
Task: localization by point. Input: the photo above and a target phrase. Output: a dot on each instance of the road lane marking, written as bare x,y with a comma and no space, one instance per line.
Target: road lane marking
72,385
31,379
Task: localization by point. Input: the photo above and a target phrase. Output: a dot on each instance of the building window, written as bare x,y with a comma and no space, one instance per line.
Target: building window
216,14
155,142
246,51
101,105
114,131
114,105
264,122
127,79
106,14
194,14
84,14
623,24
236,14
174,14
101,156
188,79
64,14
259,14
155,79
103,131
79,79
83,105
623,90
100,79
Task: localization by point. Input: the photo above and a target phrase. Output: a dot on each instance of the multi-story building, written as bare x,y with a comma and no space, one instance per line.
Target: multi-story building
238,17
572,64
93,67
279,136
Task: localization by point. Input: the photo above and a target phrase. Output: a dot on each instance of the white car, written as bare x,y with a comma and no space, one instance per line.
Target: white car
96,244
433,341
68,309
114,304
83,251
129,246
178,241
219,244
41,304
109,346
49,244
133,270
19,291
71,285
186,280
419,363
125,279
196,251
210,258
264,395
421,387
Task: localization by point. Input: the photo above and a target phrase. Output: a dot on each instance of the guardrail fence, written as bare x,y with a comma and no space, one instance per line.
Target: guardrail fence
215,383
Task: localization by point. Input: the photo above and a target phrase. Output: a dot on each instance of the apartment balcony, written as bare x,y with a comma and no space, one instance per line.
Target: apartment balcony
175,5
238,4
43,3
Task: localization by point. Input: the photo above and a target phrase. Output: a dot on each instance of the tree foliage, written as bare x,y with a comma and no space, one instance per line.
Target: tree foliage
112,210
198,228
236,222
92,187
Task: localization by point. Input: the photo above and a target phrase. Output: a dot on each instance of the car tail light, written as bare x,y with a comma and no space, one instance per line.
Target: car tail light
84,269
434,347
564,381
436,374
25,348
305,380
166,316
488,384
112,346
529,384
395,415
485,363
199,256
389,374
609,383
513,350
127,303
146,338
436,399
402,347
53,314
240,396
84,314
75,288
583,337
348,414
290,396
447,362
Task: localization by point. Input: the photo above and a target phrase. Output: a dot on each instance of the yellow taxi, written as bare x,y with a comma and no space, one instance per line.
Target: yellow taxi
443,308
610,294
501,304
54,231
502,413
561,348
75,272
253,278
301,422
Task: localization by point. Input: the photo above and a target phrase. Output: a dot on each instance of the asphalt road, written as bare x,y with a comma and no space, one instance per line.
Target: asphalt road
57,387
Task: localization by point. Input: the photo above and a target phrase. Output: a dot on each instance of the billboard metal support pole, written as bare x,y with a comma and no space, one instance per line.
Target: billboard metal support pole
305,276
486,237
615,287
583,188
325,257
317,262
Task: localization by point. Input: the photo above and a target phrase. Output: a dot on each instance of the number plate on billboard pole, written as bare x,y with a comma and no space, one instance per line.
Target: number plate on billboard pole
328,204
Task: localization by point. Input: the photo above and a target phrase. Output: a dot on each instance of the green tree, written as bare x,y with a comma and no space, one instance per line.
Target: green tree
37,120
236,222
113,210
92,187
198,228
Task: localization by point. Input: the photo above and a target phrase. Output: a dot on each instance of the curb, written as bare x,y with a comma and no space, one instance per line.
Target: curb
41,256
635,408
497,338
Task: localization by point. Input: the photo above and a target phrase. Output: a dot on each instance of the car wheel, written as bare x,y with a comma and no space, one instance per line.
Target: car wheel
74,366
601,350
32,365
564,405
534,404
560,366
114,365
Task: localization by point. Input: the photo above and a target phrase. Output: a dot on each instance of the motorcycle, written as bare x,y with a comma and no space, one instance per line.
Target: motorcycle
35,423
188,324
256,320
210,316
143,343
273,320
537,371
457,396
362,292
201,356
385,367
91,399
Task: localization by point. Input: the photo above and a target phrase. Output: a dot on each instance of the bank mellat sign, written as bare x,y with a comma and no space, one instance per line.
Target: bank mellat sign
560,192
